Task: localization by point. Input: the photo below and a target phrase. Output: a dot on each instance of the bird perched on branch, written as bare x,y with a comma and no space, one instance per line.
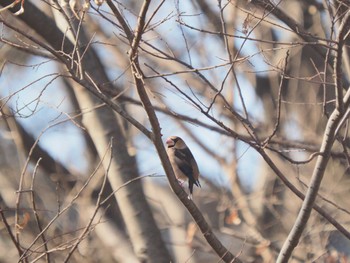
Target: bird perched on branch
184,165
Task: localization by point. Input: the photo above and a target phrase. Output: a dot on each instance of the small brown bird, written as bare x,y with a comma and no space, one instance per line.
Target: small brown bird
184,165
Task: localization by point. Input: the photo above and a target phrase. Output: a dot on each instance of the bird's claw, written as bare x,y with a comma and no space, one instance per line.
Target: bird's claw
180,182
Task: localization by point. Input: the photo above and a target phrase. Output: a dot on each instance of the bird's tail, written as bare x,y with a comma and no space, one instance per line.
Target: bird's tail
197,183
190,186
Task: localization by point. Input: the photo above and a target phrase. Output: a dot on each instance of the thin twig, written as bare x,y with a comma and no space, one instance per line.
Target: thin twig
282,83
35,211
97,206
338,72
8,229
64,209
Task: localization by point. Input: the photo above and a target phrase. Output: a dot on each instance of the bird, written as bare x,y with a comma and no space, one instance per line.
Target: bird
182,160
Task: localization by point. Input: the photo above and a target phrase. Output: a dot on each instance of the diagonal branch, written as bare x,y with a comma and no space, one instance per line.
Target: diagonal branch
157,140
310,197
328,139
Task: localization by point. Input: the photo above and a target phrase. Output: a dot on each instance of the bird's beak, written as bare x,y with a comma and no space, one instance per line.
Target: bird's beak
169,142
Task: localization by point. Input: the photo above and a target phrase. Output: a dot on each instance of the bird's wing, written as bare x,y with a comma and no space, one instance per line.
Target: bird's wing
183,159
